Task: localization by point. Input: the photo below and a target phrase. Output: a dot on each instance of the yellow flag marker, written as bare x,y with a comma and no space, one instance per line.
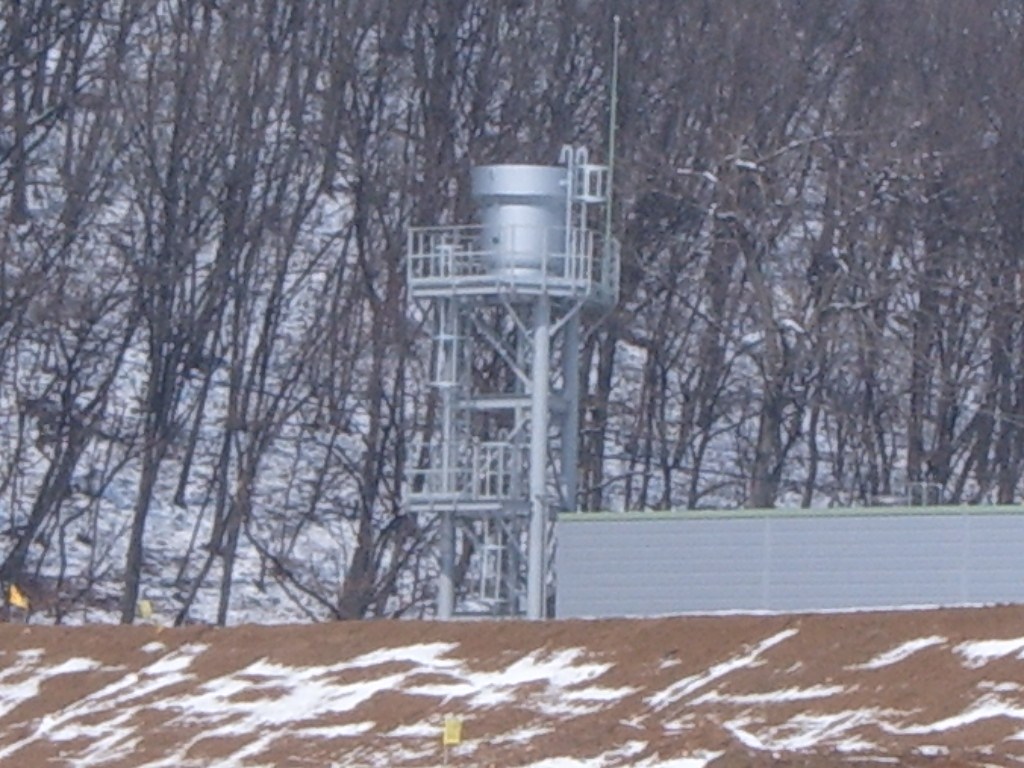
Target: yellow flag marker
452,732
145,609
17,598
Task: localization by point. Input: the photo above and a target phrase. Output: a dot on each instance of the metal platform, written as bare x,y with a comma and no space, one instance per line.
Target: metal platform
470,509
448,262
485,472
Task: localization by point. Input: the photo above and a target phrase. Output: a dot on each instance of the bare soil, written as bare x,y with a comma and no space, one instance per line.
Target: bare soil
727,691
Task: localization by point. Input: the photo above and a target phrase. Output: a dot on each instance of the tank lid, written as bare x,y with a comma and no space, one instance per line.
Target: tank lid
519,181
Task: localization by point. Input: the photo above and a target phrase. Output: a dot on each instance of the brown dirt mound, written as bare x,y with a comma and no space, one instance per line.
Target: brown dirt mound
937,688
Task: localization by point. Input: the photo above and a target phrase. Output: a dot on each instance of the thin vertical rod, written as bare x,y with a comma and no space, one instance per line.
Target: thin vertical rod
446,576
536,575
571,419
447,375
613,110
569,158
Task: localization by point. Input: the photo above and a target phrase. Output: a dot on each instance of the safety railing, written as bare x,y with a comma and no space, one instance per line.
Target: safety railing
478,471
525,257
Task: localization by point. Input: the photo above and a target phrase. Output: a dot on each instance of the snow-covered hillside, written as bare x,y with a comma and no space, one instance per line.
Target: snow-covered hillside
210,374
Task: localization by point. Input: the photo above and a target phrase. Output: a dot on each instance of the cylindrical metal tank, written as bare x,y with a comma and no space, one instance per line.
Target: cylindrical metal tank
523,213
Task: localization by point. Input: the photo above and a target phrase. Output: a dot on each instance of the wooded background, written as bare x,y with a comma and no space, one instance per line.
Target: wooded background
203,208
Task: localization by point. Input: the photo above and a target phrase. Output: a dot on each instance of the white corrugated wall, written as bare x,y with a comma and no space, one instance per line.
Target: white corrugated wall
787,560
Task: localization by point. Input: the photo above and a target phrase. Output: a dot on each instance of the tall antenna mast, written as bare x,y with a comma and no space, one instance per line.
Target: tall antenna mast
613,111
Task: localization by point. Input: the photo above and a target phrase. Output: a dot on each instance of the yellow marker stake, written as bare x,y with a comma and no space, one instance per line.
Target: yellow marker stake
452,731
145,610
452,735
17,598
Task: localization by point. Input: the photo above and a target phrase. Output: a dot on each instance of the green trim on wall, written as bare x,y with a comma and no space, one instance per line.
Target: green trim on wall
746,514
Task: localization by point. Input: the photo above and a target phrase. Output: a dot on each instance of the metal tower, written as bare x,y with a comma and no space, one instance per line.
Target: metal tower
506,298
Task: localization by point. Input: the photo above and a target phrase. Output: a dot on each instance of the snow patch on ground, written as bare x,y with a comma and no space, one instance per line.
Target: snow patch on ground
806,729
687,685
900,652
986,707
769,697
978,653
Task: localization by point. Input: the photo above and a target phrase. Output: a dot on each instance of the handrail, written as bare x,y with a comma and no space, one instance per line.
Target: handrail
454,254
483,470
